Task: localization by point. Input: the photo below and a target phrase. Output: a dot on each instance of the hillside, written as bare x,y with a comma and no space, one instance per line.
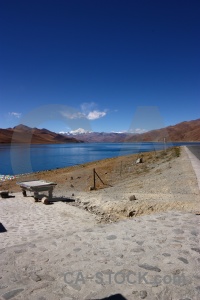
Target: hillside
25,134
186,131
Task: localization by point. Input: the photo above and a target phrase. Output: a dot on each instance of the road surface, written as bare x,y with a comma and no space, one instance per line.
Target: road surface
194,156
195,150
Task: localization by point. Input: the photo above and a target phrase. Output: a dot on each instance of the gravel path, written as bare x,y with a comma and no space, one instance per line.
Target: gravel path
61,252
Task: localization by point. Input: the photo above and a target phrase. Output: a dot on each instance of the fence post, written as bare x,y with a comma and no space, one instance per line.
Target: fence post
94,179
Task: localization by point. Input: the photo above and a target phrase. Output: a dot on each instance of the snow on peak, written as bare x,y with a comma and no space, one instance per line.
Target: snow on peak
77,131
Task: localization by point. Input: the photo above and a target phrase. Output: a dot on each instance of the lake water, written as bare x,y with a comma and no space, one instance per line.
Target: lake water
20,159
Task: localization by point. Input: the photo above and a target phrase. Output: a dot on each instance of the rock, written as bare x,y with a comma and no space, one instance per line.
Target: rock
12,294
111,237
166,254
143,294
45,200
137,250
149,268
194,232
35,277
178,231
131,213
183,260
196,249
132,197
85,202
139,160
197,288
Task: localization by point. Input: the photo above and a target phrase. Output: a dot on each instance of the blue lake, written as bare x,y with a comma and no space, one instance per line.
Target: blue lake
20,159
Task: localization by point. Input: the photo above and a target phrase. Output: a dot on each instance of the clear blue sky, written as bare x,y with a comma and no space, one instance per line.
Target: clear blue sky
112,65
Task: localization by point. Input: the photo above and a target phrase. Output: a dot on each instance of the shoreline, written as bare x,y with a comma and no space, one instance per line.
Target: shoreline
168,144
84,165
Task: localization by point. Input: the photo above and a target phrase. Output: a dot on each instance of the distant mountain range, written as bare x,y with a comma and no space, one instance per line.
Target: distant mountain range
100,137
184,132
25,134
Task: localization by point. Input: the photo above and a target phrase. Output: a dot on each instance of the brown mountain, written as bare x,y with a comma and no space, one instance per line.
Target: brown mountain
183,132
186,132
25,134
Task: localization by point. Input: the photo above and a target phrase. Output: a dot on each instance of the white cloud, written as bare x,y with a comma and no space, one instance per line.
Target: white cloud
137,130
72,116
88,111
91,112
95,114
15,114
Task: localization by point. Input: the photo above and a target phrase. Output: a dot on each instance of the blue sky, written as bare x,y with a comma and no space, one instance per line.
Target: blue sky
103,65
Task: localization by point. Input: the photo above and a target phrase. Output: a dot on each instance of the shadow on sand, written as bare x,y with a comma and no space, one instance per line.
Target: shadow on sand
113,297
62,199
54,199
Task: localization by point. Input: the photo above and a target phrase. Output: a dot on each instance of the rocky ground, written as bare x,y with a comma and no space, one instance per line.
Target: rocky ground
103,242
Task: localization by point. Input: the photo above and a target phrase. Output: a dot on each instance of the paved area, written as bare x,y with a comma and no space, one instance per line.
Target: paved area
195,150
194,156
57,252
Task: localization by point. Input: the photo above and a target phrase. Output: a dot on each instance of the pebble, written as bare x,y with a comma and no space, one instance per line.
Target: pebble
11,294
183,260
35,277
143,294
196,249
149,267
178,231
111,237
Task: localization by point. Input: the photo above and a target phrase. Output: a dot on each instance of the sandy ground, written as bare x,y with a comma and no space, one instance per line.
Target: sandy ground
99,244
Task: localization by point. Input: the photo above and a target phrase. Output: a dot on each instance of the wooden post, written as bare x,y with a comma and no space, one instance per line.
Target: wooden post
94,179
50,193
121,169
24,193
165,144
